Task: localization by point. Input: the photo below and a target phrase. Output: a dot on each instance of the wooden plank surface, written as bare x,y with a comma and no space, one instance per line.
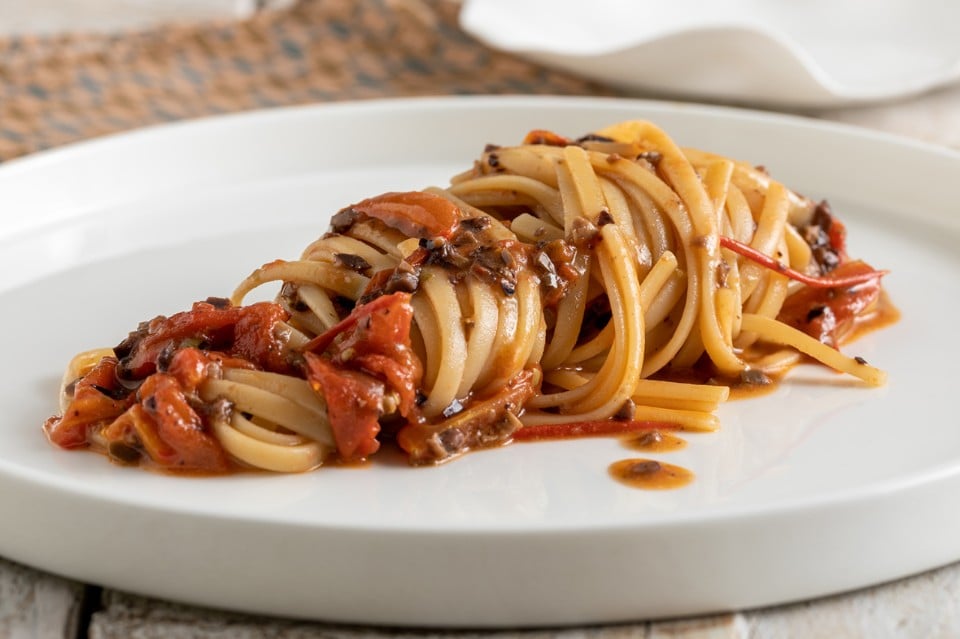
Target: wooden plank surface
37,605
126,615
34,604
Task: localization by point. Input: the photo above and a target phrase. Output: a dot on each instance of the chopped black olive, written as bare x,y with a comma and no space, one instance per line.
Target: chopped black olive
431,244
594,137
466,239
452,440
343,220
550,280
548,271
475,223
723,271
627,411
218,302
454,408
352,262
544,262
584,232
754,377
124,348
402,281
817,235
123,453
650,438
643,468
115,394
219,410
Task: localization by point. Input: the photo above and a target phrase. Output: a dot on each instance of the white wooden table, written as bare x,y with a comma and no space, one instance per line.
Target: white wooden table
35,604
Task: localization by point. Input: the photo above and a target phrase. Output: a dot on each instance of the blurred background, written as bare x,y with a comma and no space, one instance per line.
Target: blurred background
75,69
53,16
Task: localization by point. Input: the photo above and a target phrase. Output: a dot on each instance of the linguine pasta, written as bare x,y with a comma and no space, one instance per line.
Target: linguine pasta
608,282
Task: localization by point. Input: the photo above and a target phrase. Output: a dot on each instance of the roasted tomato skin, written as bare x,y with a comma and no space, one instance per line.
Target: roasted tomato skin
356,362
162,421
97,399
247,332
353,402
379,344
829,314
166,401
414,213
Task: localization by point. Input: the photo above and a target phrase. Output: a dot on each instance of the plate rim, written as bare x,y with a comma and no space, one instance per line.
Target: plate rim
75,152
888,490
36,160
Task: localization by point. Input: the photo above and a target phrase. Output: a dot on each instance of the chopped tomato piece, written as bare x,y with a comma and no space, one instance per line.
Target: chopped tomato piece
158,420
542,136
133,435
837,233
256,340
179,427
97,399
379,344
248,332
354,363
829,314
354,401
414,213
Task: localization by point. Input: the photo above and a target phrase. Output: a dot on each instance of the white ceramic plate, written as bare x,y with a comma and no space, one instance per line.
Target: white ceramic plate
800,54
820,487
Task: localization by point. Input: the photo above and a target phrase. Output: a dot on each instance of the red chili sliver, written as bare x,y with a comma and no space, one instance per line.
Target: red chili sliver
816,282
596,428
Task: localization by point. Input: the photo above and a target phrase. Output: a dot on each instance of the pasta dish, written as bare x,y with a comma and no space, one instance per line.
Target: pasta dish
558,287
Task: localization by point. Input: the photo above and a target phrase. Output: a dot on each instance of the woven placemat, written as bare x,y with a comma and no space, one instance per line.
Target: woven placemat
55,90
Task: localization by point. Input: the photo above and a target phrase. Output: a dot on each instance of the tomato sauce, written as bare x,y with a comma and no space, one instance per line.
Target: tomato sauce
650,474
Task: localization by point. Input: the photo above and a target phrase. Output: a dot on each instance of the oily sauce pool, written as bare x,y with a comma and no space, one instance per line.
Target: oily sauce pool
650,474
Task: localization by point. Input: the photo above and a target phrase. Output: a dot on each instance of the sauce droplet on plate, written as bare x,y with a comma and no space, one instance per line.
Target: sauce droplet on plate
655,441
650,474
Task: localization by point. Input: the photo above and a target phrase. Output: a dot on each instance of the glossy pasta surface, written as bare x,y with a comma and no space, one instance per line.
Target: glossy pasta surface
610,282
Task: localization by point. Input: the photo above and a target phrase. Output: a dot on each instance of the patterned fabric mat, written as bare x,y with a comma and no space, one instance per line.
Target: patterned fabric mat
55,90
